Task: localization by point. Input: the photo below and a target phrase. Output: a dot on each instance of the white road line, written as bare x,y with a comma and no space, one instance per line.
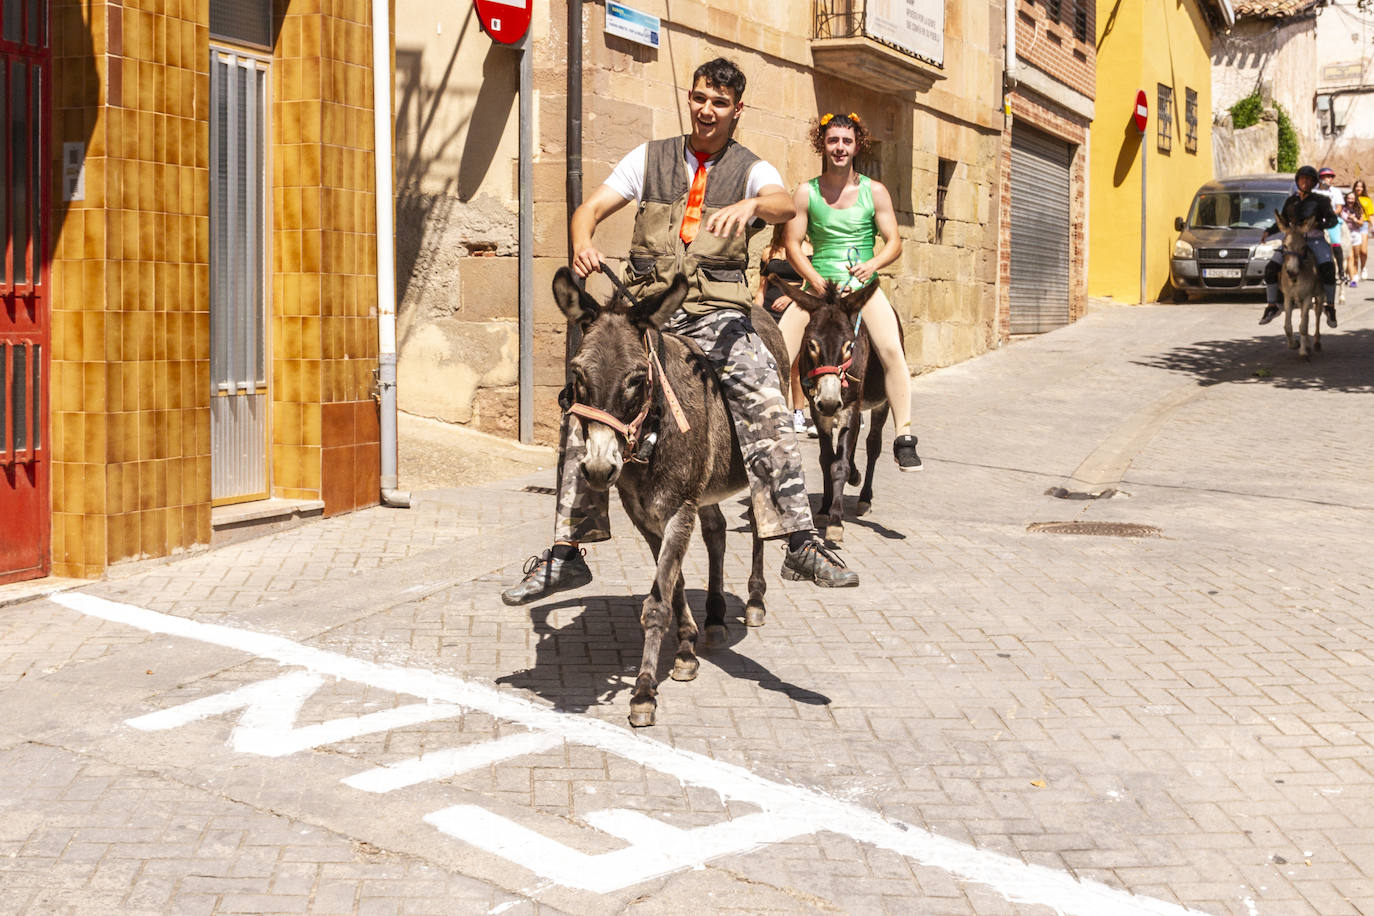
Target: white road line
1016,880
451,762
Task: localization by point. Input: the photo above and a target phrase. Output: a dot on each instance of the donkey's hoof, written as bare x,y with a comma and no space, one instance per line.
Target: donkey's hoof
862,507
834,533
854,476
1292,344
754,614
1316,344
685,669
715,636
642,714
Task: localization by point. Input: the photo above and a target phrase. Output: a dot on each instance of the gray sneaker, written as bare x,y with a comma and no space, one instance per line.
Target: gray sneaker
545,575
815,562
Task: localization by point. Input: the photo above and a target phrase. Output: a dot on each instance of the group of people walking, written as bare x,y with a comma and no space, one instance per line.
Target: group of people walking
699,198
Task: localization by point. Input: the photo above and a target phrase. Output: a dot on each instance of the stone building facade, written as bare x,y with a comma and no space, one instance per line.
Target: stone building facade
938,126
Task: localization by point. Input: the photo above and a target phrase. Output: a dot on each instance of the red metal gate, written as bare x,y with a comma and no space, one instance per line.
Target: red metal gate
25,516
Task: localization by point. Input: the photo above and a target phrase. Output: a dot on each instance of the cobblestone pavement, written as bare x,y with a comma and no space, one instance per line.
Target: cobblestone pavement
343,718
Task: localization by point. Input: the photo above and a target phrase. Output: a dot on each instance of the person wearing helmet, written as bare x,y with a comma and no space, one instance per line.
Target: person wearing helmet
1298,208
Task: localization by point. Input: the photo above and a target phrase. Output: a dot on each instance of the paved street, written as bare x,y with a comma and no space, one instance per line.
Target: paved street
343,718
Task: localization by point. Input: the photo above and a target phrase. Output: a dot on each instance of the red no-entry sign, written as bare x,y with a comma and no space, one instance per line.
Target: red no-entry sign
1142,111
505,21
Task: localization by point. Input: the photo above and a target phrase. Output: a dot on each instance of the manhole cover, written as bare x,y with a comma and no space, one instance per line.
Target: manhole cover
542,491
1101,529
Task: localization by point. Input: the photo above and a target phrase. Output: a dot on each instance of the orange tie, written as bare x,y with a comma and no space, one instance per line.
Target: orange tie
691,220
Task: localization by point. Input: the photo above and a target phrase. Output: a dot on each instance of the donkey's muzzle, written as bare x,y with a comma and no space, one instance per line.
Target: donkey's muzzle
599,474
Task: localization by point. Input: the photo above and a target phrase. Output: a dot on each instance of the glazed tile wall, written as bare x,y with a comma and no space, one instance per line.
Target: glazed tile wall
325,429
130,307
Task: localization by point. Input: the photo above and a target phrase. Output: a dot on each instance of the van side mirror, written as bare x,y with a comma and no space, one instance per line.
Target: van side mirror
1178,224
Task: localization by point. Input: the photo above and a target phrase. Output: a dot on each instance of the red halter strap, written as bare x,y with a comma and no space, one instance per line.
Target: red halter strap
630,431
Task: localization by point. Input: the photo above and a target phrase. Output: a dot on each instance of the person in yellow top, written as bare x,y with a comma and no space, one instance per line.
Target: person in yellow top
1362,250
843,212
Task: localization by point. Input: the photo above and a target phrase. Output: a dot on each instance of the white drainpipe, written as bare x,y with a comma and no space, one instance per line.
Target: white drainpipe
386,256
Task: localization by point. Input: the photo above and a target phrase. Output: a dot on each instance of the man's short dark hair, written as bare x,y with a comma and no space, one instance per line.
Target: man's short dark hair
721,74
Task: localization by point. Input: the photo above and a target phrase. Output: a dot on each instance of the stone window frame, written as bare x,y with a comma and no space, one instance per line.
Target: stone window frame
1164,119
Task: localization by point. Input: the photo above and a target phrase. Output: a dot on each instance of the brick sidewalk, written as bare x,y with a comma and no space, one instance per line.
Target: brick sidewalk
1186,718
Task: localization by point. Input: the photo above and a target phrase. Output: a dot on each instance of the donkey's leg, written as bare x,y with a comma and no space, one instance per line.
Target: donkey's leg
1288,321
657,612
754,611
1304,336
873,447
713,533
685,662
826,440
848,437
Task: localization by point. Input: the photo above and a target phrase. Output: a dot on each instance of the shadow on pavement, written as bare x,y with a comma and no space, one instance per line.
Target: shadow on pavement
593,658
1346,362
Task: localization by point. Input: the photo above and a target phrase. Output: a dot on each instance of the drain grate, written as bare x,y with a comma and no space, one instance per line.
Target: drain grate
542,491
1101,529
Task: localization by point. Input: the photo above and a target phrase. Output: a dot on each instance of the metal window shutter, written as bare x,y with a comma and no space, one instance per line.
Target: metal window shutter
1039,231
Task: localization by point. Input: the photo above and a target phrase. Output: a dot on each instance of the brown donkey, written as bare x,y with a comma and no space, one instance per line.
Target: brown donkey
656,404
841,378
1300,287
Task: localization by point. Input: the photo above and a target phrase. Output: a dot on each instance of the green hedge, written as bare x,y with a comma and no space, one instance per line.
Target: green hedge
1246,113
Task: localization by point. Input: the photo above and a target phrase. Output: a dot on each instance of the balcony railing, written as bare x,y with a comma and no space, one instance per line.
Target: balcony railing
843,45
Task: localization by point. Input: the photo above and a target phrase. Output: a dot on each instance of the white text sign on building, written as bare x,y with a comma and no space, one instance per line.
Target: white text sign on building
631,24
917,26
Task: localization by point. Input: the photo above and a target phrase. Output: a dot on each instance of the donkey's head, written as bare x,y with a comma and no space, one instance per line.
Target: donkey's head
1294,243
612,381
828,347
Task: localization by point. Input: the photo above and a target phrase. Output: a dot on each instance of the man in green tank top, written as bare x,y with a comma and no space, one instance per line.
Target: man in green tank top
700,199
842,212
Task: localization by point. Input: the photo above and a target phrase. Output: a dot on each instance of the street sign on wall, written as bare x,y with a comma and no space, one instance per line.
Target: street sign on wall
917,26
506,21
632,24
1142,111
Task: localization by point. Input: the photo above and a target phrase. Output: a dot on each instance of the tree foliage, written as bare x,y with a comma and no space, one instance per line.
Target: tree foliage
1247,113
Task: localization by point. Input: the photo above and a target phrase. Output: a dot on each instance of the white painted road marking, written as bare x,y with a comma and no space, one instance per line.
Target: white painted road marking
451,762
1012,878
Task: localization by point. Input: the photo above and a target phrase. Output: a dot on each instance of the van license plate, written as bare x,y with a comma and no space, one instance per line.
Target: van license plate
1222,273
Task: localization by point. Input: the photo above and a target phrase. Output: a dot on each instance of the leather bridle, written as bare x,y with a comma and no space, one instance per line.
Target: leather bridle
842,370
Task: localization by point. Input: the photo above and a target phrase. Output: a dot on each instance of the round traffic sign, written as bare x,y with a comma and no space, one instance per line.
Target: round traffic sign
505,21
1142,111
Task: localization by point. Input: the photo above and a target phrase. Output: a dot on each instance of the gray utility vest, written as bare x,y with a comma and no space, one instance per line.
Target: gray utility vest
714,266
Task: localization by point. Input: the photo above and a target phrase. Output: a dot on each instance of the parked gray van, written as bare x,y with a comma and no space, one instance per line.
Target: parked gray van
1218,250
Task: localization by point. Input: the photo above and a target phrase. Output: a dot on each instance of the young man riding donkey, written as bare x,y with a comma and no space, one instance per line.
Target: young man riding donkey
700,197
1314,208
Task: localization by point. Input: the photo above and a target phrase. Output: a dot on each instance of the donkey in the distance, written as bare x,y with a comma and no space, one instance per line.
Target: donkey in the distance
658,428
842,378
1299,283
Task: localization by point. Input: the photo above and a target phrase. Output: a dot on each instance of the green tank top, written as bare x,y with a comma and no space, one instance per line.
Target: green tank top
835,232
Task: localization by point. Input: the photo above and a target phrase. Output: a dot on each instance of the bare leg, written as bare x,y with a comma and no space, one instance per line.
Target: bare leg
793,323
656,612
881,319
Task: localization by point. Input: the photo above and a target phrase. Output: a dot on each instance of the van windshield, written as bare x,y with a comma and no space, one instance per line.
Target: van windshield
1235,209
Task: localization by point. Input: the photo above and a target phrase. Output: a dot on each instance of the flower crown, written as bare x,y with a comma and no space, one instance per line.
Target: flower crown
825,118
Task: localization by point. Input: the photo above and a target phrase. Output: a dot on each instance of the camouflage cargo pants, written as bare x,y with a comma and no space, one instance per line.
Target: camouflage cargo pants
763,425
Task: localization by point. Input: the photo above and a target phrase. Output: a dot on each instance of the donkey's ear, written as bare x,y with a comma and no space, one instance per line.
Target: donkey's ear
653,311
1283,227
572,299
807,302
858,299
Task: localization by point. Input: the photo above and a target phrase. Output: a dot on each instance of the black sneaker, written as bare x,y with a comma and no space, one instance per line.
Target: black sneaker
904,452
546,574
815,562
1270,313
1330,311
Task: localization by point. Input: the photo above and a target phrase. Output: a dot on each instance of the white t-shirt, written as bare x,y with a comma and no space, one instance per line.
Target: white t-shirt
627,178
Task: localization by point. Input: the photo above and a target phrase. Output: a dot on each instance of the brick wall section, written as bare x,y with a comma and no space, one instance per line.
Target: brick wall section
1050,44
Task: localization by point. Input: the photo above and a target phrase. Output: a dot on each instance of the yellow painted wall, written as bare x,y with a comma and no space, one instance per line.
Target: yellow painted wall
1142,43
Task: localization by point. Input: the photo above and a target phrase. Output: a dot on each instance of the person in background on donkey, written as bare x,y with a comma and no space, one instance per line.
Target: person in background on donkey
1337,236
698,197
1352,216
773,263
843,212
1362,253
1303,205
